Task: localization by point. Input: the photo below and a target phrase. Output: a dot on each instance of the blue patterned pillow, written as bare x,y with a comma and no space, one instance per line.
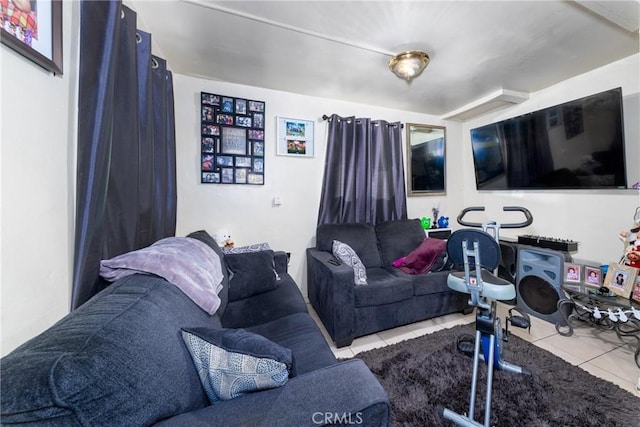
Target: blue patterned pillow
347,255
233,362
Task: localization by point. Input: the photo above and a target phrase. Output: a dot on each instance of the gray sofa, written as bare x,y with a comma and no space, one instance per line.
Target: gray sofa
119,359
392,297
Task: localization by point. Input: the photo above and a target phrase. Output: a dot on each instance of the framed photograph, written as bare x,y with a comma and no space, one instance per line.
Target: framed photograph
258,148
241,106
572,273
295,137
207,162
231,140
234,141
592,276
241,176
34,29
254,178
635,294
243,162
212,177
620,279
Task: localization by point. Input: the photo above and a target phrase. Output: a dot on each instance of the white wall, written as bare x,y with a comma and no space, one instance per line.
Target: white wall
38,172
593,218
246,211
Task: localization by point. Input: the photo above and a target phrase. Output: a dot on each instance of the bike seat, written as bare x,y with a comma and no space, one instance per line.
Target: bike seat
493,287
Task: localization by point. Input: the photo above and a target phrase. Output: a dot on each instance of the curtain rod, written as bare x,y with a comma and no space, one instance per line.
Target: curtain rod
328,118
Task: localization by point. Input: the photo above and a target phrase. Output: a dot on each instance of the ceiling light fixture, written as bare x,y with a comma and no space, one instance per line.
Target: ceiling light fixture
409,65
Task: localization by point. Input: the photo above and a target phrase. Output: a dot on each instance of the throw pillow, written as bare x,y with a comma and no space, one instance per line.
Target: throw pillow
251,274
347,255
422,258
233,362
257,247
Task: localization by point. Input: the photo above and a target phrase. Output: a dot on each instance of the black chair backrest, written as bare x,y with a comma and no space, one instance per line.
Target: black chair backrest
489,249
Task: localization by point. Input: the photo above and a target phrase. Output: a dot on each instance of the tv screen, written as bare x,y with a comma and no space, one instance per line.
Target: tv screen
575,145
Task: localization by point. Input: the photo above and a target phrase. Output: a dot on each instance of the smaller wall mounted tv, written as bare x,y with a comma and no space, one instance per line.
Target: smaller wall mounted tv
575,145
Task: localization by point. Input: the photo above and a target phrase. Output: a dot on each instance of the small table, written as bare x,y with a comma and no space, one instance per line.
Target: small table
585,305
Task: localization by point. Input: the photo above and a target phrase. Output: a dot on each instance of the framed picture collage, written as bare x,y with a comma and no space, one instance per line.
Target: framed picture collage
232,140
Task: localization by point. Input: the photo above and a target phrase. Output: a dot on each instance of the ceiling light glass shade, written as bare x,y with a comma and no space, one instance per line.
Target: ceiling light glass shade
408,65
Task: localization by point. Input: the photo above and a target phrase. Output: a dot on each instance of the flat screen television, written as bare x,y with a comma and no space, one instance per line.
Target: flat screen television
575,145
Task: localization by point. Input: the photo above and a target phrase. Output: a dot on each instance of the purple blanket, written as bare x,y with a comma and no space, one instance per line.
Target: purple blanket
422,258
187,263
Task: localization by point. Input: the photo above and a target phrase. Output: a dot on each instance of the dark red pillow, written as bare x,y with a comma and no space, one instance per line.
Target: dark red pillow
422,258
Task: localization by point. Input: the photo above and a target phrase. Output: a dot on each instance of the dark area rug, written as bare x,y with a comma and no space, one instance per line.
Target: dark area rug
423,373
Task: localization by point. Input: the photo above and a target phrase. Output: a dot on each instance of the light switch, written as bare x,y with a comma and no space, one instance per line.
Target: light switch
277,201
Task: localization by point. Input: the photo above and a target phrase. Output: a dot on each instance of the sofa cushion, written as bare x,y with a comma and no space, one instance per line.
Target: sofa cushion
286,299
205,237
383,288
398,238
299,333
118,359
251,273
233,362
426,283
360,236
347,255
422,258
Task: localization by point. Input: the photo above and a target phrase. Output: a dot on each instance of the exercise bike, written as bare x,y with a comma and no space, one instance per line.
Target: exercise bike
479,252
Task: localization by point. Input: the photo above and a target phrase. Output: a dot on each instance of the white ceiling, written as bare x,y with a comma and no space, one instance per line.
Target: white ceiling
340,49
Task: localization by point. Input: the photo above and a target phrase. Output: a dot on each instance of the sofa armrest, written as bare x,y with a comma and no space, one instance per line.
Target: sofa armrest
280,262
331,291
344,393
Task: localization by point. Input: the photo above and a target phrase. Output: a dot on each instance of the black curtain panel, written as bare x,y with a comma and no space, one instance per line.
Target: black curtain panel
126,184
364,172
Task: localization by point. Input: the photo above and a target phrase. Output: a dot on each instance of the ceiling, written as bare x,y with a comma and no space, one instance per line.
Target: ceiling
340,49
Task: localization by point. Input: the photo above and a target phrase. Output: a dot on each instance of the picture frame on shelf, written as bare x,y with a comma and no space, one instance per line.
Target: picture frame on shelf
635,294
572,273
295,137
35,31
231,140
620,279
592,276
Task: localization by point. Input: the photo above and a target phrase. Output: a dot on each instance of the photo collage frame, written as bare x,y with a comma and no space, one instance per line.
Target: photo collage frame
231,140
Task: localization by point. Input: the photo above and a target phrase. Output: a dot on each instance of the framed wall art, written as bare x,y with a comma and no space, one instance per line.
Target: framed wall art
295,137
231,140
620,279
33,28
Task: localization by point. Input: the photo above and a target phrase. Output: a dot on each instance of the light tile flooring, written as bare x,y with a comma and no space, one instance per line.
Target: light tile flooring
601,353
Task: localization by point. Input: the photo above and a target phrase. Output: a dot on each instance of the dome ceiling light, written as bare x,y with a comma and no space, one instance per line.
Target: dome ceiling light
408,65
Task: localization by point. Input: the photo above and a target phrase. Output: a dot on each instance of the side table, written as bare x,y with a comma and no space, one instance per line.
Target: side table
605,312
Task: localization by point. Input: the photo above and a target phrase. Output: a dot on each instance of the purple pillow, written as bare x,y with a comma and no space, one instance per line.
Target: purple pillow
422,258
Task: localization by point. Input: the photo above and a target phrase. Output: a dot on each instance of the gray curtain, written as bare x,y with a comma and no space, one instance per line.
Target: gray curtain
126,178
364,172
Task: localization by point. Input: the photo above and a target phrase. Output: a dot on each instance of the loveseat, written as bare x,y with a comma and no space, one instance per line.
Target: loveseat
391,297
121,358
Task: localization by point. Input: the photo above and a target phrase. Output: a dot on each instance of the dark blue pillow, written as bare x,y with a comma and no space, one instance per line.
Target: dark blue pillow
233,362
251,274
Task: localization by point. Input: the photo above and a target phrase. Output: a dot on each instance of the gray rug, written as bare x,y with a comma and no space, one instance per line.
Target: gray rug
426,372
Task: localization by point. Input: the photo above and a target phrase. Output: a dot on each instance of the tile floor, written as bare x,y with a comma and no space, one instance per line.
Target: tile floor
601,353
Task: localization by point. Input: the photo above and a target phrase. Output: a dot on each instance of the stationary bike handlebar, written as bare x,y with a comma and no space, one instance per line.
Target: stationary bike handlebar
525,212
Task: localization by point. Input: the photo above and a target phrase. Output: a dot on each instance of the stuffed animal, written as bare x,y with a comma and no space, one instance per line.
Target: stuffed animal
632,250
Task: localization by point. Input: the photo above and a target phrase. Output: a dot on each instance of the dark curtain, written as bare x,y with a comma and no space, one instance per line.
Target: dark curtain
364,172
126,184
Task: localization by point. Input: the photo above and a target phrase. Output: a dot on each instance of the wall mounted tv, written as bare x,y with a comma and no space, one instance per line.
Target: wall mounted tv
575,145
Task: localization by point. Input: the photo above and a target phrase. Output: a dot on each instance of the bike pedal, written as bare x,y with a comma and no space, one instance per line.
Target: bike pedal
520,322
466,344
